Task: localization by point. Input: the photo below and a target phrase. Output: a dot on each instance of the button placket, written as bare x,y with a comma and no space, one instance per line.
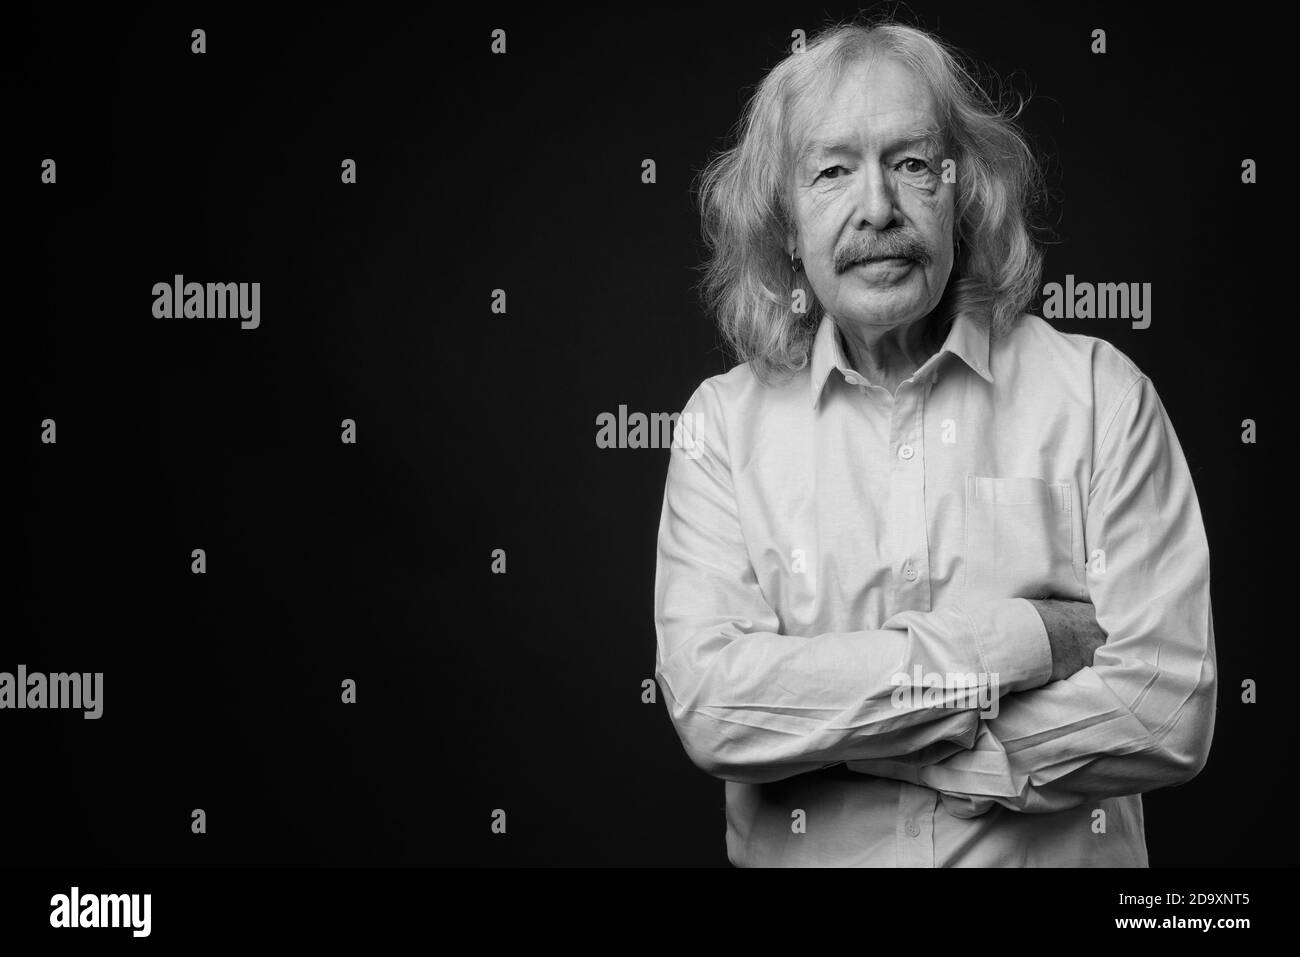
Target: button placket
915,831
909,530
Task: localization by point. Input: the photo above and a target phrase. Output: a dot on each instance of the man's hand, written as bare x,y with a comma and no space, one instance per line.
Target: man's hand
1072,631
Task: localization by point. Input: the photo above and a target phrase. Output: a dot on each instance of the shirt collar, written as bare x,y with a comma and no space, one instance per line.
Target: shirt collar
967,339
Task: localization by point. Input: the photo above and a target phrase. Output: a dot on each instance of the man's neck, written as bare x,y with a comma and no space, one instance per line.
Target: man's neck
891,357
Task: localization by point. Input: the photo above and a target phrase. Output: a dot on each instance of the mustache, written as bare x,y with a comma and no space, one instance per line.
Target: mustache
884,246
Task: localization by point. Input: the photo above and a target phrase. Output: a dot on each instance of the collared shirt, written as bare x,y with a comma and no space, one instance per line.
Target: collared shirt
836,565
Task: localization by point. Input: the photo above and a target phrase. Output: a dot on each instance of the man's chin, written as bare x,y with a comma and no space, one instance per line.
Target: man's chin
882,308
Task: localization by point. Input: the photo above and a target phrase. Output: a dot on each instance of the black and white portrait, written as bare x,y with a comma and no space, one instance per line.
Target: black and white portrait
933,587
566,437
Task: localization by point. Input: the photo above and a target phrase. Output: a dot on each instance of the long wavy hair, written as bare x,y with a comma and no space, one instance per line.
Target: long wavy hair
746,195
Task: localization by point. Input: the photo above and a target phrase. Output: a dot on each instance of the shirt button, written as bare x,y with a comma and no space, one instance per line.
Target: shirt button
909,572
906,451
912,829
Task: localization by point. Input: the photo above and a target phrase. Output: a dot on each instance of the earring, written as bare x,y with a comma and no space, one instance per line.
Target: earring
795,264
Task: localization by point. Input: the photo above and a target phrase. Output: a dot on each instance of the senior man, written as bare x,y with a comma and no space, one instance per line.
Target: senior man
932,584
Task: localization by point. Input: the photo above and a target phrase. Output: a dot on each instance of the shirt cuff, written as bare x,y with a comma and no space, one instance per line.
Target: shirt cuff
1012,643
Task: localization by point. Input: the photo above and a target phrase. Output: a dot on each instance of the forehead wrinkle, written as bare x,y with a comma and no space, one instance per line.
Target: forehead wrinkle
918,123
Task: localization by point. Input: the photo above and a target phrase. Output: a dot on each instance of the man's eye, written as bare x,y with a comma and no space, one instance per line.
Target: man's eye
913,165
828,171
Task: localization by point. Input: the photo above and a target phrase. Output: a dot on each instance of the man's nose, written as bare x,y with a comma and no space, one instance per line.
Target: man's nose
875,199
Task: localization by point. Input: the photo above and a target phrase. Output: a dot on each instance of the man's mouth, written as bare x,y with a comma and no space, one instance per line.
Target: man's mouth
881,264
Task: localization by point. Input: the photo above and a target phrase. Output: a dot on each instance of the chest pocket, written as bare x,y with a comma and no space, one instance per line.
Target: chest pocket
1021,539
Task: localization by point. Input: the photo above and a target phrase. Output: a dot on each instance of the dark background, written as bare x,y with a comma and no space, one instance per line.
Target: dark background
477,431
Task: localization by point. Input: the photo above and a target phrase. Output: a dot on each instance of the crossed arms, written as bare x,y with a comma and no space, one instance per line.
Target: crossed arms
1099,699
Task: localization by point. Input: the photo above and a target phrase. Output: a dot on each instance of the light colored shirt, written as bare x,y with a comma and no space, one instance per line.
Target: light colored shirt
822,538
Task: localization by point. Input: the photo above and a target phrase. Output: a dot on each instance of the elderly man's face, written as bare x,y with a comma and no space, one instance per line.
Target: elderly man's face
872,189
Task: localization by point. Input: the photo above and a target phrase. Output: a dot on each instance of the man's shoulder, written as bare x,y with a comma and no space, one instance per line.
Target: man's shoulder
1037,348
740,388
